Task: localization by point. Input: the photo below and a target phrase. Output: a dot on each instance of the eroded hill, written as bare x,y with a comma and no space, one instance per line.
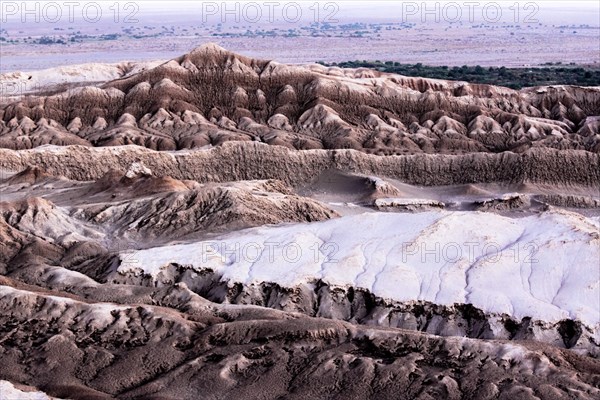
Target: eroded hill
211,96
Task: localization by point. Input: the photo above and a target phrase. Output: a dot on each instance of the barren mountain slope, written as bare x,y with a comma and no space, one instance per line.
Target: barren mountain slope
87,314
223,227
63,234
211,96
171,343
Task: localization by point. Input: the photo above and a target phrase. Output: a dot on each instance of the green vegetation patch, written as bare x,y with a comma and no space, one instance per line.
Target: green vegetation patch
515,78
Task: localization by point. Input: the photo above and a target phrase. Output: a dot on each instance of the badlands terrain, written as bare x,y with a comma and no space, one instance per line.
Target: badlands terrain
217,226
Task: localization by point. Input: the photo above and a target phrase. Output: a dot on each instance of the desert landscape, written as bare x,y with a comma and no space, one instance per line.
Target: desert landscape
218,225
516,34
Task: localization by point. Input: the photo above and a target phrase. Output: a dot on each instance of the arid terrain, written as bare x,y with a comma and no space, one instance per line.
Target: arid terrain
219,226
533,34
210,96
